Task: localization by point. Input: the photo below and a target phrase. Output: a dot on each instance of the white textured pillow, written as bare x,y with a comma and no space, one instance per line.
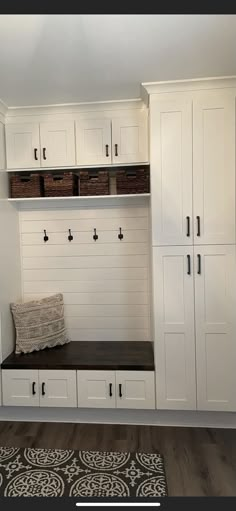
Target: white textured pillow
39,324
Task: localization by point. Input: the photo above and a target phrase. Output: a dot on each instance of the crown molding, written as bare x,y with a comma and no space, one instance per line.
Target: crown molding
75,108
216,82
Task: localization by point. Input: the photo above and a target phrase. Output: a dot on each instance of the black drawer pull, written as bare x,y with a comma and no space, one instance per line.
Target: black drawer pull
107,150
199,270
116,149
189,264
44,153
110,389
33,388
120,389
188,226
35,153
198,226
43,389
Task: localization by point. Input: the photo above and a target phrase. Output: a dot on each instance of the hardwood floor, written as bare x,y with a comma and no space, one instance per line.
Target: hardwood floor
198,462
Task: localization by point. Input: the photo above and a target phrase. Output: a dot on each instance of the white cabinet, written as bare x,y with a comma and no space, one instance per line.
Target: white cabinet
174,327
117,140
46,144
58,388
130,139
135,389
96,389
171,170
215,285
214,167
116,389
93,141
20,387
22,145
25,387
57,141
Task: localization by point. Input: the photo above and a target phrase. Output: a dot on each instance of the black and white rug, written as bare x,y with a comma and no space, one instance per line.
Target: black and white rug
57,473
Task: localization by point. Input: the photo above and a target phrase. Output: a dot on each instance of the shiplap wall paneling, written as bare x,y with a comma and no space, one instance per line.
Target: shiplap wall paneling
104,283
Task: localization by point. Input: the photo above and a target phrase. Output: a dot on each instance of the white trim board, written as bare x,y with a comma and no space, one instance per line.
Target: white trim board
225,420
217,82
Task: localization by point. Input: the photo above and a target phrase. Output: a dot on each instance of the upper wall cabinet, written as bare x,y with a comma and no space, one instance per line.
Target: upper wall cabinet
93,141
118,140
57,144
48,144
171,170
23,145
214,167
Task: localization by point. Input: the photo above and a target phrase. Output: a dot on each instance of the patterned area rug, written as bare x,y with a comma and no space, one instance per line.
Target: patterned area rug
57,473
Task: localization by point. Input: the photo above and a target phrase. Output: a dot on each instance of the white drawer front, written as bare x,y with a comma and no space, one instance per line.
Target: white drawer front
96,389
57,388
135,389
20,387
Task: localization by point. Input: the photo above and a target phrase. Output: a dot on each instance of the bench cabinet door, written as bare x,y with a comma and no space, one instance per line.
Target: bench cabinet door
96,389
135,389
58,388
20,387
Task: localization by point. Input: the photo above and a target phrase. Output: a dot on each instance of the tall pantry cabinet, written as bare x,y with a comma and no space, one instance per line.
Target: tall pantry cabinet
192,157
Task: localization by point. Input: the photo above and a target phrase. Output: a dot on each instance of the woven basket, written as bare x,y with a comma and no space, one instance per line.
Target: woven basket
132,181
60,185
94,183
26,186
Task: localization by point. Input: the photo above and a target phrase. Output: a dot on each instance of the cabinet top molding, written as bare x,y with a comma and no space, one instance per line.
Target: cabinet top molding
216,82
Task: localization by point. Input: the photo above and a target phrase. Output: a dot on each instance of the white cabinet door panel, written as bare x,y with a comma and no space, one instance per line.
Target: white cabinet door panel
174,327
20,387
22,145
93,141
130,139
96,389
171,170
57,144
58,388
135,389
214,167
215,284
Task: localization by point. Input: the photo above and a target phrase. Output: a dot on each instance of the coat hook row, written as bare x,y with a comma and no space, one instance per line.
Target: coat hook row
46,238
70,237
120,235
95,236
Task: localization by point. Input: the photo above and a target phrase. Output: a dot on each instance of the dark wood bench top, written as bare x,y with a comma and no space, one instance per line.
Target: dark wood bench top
87,355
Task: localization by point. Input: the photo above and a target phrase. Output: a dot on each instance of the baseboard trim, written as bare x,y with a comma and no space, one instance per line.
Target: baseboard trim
127,417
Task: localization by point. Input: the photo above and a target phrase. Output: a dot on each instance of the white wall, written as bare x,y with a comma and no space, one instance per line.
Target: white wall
10,282
104,283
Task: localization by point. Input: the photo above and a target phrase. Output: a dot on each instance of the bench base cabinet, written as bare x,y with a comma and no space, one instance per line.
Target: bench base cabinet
86,389
116,389
39,388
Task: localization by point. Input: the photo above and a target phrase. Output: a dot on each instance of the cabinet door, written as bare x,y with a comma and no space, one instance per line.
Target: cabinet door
58,388
171,170
93,141
214,168
215,285
174,328
135,389
57,144
20,387
22,145
130,138
96,389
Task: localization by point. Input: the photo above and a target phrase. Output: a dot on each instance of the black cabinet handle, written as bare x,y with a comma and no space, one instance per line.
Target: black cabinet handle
198,226
33,388
189,264
116,149
44,153
107,150
188,226
120,389
110,389
35,153
199,270
43,389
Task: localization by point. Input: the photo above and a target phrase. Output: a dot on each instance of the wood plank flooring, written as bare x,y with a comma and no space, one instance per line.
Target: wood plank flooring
198,462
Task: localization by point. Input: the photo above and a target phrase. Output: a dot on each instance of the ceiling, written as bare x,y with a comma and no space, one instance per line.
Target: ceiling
47,59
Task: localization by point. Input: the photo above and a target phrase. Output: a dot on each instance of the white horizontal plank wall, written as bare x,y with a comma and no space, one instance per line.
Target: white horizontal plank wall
104,282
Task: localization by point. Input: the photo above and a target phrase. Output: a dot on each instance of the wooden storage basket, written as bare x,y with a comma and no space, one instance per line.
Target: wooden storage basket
132,181
60,185
26,186
94,183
